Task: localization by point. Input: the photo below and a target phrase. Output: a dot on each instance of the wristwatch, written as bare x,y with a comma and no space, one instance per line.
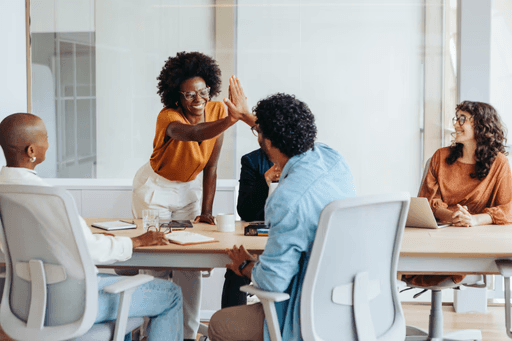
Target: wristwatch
243,265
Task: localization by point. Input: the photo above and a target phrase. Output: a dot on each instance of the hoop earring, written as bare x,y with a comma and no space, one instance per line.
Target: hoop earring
33,159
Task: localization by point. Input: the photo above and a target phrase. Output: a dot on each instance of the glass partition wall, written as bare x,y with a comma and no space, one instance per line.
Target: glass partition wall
376,74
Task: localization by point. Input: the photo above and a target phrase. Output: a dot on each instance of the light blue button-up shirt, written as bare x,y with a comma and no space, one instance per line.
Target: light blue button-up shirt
308,183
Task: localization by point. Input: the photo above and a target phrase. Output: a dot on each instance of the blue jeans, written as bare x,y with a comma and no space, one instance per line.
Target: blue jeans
159,299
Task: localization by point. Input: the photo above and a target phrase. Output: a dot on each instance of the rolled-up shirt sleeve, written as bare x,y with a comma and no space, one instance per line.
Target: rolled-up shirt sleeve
106,249
501,211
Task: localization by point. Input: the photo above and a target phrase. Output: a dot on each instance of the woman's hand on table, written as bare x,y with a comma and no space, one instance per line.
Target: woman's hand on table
239,255
462,217
205,218
150,238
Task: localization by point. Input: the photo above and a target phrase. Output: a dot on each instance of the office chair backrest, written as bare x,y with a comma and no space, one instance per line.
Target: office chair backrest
51,284
425,171
356,238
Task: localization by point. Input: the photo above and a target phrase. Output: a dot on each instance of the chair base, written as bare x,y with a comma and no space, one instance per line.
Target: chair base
418,334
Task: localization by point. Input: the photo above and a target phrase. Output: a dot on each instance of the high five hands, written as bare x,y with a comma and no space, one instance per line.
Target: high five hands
237,103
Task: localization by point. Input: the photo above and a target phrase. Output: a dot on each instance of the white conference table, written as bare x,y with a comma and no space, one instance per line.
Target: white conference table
447,250
472,250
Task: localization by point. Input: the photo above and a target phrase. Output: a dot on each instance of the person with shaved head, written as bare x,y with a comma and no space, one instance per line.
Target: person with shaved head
24,141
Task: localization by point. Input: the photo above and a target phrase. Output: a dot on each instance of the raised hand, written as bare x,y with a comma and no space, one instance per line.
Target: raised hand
237,102
272,174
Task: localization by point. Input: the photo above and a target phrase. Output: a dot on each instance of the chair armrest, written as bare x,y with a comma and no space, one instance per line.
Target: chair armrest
268,295
128,283
125,288
267,299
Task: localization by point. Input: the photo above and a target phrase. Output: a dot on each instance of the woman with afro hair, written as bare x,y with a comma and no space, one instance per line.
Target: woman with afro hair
469,183
186,148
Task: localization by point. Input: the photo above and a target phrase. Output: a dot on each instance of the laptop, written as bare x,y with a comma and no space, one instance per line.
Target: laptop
421,215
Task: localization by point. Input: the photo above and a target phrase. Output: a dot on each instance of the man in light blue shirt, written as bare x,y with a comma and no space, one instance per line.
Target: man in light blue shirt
313,175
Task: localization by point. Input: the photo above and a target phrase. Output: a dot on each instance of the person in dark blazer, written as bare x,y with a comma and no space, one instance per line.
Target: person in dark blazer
256,174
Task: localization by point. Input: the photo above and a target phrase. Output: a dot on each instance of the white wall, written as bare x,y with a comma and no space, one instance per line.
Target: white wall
501,61
357,65
475,50
62,15
133,41
13,60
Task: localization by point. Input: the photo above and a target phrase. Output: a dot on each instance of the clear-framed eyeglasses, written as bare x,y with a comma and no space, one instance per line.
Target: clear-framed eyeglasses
190,95
255,130
461,120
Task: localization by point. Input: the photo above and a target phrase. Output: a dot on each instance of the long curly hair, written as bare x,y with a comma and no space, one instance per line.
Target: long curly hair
184,66
490,135
287,123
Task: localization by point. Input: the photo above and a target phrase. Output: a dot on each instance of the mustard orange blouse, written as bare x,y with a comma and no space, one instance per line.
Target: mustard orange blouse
448,185
182,160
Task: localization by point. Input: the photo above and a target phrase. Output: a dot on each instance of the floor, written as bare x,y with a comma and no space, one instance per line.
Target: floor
492,323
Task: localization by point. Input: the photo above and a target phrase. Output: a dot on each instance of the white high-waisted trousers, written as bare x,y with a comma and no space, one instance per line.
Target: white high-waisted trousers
173,200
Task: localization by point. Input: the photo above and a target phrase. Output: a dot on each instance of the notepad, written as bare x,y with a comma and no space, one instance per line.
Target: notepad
188,238
114,225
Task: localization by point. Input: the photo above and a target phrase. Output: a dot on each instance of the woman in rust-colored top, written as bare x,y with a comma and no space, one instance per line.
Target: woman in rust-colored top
469,183
187,144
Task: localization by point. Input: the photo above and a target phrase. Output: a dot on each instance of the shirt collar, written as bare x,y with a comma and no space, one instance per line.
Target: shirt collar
289,165
19,170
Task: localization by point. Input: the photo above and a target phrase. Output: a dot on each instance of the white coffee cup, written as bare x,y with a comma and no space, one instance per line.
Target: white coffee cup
150,220
225,222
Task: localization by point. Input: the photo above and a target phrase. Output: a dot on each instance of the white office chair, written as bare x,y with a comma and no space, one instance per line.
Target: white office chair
435,328
349,291
51,287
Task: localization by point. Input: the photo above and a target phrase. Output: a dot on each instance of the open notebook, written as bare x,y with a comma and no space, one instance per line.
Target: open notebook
421,215
188,238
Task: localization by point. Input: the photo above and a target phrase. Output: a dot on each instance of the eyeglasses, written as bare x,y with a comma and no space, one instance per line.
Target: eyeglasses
165,228
461,120
190,95
255,130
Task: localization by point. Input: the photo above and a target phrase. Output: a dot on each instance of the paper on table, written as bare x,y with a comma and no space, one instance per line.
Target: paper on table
188,238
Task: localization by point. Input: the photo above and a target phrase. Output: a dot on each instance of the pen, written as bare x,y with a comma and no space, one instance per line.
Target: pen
127,222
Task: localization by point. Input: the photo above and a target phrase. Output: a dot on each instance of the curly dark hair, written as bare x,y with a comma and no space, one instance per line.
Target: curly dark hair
490,137
287,123
184,66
